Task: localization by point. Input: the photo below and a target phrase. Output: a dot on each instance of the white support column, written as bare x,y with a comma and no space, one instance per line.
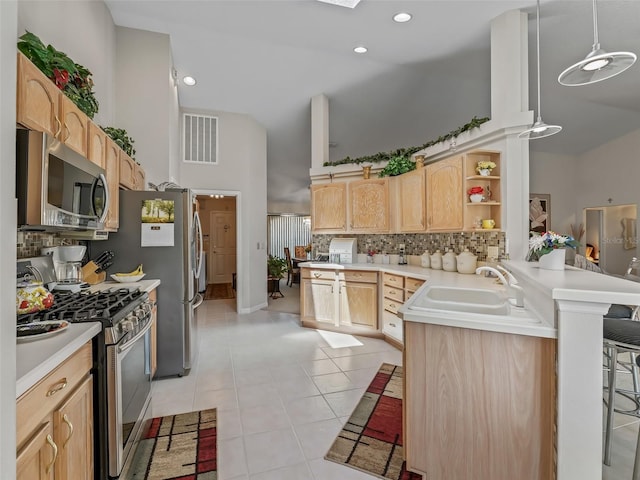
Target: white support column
509,65
579,422
319,130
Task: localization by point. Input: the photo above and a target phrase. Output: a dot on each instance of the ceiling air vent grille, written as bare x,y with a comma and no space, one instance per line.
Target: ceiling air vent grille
200,139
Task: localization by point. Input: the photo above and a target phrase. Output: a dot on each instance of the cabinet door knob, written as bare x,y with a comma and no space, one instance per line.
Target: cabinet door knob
392,325
65,419
54,447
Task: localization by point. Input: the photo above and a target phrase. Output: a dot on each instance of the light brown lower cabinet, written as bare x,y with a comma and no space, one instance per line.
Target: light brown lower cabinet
478,405
55,423
344,300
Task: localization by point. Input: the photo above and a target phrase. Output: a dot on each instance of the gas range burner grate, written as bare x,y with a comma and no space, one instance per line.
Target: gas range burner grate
109,306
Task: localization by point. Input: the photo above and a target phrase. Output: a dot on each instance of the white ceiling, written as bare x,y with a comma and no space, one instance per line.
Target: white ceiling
419,80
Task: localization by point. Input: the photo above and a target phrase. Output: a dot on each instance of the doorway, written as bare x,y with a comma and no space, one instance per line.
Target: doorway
219,216
610,236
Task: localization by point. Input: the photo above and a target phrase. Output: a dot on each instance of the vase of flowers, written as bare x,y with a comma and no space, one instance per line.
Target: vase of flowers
549,248
484,168
308,247
476,194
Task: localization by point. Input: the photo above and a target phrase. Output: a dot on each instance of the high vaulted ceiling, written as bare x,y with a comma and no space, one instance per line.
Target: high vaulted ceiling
419,80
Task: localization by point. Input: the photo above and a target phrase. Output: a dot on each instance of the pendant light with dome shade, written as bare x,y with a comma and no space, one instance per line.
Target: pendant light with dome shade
539,129
598,65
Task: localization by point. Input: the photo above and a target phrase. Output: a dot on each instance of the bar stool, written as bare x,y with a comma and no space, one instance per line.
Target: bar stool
621,335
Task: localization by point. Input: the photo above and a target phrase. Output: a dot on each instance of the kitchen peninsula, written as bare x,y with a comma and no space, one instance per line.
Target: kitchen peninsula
570,303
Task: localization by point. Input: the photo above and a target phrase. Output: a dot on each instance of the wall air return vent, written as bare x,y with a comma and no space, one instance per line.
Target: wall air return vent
200,139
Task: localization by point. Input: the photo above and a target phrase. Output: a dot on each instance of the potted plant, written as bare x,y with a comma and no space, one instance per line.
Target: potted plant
484,168
549,248
476,194
397,166
122,138
74,80
276,266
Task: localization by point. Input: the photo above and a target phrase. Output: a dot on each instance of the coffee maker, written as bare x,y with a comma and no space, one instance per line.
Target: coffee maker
67,263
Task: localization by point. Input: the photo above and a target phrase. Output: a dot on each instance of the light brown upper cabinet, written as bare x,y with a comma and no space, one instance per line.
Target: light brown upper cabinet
112,167
410,201
369,206
445,195
43,107
138,177
127,171
329,207
97,145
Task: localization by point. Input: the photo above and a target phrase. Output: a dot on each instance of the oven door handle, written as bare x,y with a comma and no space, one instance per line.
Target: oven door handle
127,345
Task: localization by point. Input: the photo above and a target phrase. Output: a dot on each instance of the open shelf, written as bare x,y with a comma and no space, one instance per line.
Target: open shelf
492,208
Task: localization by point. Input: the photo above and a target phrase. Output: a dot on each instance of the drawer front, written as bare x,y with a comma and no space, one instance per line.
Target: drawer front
412,284
394,293
50,392
392,326
318,274
359,276
395,280
391,305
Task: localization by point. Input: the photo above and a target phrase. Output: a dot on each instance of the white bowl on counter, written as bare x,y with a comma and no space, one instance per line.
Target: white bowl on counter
128,278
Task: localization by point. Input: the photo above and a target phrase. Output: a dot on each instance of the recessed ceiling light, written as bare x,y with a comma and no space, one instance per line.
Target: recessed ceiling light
190,81
402,17
360,49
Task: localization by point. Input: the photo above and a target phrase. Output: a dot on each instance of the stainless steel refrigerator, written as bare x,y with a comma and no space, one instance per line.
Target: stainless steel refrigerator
162,231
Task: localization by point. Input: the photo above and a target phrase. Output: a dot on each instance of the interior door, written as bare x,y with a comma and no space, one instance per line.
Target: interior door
222,246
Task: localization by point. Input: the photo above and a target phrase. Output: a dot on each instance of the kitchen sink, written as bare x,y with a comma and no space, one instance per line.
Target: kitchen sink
459,299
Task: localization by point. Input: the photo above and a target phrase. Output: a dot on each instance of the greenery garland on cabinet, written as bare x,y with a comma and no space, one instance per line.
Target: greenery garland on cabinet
124,141
73,79
407,152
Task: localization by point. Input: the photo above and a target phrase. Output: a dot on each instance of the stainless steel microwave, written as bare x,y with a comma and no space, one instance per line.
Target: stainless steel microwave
56,187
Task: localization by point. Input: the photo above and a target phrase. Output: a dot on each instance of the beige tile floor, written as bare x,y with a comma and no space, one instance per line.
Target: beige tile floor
283,393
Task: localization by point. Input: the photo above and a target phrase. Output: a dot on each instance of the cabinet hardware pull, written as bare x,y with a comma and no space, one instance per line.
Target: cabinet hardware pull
317,275
65,419
54,447
392,325
392,305
59,126
68,132
58,386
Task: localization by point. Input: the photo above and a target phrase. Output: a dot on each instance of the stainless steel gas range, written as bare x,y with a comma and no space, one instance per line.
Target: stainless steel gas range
122,368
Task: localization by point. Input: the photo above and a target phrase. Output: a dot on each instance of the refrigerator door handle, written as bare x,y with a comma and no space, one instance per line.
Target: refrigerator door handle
198,225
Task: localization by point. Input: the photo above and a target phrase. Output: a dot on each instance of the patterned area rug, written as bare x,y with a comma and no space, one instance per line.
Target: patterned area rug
371,440
178,447
219,291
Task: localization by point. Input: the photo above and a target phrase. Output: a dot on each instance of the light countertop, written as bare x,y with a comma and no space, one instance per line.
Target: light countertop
37,358
520,321
144,285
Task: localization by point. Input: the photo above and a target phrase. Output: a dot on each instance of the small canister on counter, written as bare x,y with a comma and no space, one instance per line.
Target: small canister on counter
436,260
425,259
449,261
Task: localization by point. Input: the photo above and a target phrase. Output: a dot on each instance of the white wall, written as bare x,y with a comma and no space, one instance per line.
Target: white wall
557,176
242,167
84,30
8,22
146,99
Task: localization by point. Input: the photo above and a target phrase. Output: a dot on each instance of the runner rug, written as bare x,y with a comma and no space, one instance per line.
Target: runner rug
178,447
371,440
218,291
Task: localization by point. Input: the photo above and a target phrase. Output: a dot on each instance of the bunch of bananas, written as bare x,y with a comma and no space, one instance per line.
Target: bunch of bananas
137,271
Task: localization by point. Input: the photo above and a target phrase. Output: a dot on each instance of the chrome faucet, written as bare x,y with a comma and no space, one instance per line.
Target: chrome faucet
514,290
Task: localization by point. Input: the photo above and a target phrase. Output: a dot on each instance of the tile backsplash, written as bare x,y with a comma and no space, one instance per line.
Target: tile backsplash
418,243
30,243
